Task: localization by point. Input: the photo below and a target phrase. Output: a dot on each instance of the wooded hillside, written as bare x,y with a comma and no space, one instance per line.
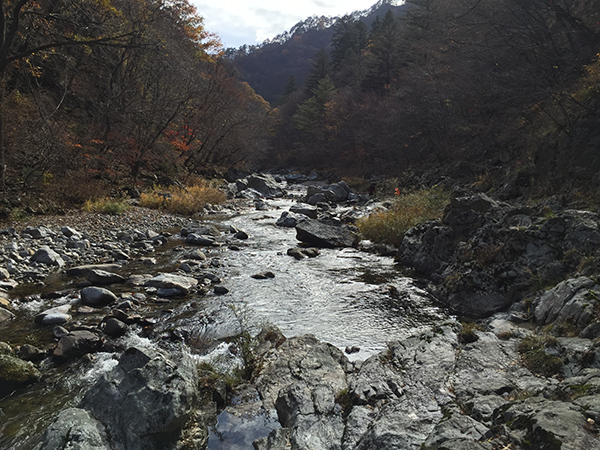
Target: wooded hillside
509,89
97,93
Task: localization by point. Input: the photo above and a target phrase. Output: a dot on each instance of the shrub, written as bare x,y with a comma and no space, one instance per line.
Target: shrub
536,359
106,205
467,334
411,209
187,201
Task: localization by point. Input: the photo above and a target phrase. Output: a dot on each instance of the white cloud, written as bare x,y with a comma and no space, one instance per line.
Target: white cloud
238,22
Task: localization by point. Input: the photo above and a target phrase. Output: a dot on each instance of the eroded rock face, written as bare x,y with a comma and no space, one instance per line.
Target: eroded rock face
572,301
146,400
408,397
75,429
301,379
485,255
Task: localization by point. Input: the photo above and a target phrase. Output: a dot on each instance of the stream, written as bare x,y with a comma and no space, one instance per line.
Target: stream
346,297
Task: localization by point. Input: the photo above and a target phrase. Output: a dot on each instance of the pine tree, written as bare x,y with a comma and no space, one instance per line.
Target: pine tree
310,118
321,69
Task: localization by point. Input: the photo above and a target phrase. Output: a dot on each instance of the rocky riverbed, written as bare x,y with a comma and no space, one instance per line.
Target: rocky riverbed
116,335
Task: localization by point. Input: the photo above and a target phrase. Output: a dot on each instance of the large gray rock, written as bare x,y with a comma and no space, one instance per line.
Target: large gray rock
301,379
5,315
457,427
265,184
171,281
146,400
287,220
97,296
100,277
201,240
337,192
307,210
321,234
15,374
573,301
37,232
414,387
54,316
82,270
550,424
75,429
45,255
76,344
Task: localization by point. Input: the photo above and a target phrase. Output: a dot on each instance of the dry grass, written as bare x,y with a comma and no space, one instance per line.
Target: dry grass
408,210
106,205
186,201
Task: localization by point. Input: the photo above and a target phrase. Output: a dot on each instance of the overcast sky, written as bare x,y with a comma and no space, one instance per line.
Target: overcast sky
240,22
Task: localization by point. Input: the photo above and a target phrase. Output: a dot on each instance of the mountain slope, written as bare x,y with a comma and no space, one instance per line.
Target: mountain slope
268,67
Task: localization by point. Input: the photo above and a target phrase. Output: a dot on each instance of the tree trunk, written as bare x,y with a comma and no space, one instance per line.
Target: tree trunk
2,148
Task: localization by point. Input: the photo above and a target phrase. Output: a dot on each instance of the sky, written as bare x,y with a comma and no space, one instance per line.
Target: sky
239,22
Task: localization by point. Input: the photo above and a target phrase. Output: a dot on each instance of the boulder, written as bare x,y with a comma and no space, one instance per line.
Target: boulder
28,352
171,281
263,275
301,378
202,229
321,234
97,296
550,424
306,210
15,374
204,241
54,316
301,253
573,301
82,270
76,344
5,315
4,274
100,277
287,220
265,184
75,429
70,232
115,328
37,232
146,400
45,255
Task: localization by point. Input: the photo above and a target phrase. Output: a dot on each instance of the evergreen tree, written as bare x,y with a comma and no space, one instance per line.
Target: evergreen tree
291,87
310,118
383,51
321,69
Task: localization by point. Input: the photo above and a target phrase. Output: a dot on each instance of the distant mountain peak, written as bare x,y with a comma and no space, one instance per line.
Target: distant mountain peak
323,22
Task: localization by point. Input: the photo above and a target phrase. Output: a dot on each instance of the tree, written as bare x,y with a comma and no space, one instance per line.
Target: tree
383,53
320,69
29,28
310,118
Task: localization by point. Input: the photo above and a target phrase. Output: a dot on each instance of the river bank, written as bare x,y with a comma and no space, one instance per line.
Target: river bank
139,351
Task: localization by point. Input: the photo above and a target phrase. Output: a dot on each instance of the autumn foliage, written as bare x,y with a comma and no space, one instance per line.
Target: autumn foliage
118,92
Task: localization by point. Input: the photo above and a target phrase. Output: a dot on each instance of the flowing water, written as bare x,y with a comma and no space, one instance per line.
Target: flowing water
344,296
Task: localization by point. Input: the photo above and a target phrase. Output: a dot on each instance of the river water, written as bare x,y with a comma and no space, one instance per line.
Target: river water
346,297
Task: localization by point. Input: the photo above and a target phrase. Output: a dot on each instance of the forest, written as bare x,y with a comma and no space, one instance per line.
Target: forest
489,90
97,95
100,94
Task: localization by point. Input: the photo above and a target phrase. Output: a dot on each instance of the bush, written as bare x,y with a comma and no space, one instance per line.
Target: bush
106,205
411,209
536,359
187,201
